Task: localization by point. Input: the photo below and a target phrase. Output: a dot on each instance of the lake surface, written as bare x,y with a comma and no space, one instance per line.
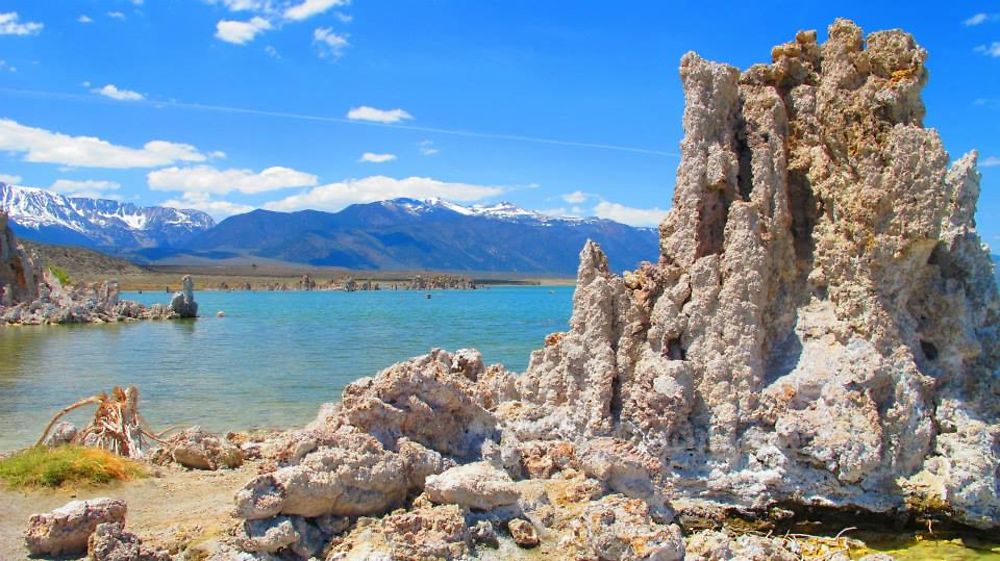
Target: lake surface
269,362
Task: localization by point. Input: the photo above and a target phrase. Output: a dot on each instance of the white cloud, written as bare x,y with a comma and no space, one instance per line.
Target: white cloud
116,15
344,18
11,24
336,196
84,18
366,113
10,179
272,52
331,45
980,18
975,20
89,188
245,5
113,92
374,158
204,203
427,148
241,32
990,162
44,146
575,198
989,50
629,215
7,67
309,8
206,179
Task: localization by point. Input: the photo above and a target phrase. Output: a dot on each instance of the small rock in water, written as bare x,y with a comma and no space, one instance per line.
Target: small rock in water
220,314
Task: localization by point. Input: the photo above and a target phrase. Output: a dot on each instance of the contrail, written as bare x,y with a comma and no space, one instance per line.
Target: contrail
337,120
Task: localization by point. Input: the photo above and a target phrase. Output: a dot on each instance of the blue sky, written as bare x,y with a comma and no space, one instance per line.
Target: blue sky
575,107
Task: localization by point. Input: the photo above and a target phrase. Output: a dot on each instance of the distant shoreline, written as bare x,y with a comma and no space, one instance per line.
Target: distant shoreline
216,281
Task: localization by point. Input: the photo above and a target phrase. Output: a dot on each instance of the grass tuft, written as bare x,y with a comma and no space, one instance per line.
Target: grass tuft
61,274
52,467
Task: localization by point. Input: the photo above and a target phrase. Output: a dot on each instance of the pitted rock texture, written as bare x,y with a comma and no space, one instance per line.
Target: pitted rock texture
822,322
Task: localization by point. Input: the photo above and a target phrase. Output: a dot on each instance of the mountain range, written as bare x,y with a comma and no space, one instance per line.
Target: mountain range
49,217
398,234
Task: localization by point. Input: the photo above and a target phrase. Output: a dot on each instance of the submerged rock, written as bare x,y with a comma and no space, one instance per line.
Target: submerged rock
65,530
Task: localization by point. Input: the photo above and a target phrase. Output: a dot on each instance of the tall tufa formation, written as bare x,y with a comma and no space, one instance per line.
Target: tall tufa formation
822,324
19,275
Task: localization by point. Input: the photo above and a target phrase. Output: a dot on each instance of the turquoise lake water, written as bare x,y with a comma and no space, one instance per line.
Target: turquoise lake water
270,362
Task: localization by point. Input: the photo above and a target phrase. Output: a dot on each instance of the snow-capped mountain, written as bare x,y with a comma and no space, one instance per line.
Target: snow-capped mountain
410,234
503,210
49,217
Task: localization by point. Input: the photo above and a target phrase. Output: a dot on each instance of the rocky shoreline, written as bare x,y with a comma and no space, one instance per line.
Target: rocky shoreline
819,337
31,294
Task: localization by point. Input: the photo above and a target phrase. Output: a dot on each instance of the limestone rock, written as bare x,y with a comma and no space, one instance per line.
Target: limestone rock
197,449
110,542
478,485
523,533
65,530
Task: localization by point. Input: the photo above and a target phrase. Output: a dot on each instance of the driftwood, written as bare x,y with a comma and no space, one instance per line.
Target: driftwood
117,425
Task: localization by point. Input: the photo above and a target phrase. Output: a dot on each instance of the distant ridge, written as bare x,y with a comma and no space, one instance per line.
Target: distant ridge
103,224
434,234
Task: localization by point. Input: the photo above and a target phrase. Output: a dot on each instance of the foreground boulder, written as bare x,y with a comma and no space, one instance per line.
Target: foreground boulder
66,529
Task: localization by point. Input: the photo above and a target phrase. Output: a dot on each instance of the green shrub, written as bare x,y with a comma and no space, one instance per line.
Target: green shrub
52,467
60,274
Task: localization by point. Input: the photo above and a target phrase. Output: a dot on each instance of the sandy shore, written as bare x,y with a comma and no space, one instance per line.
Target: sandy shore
174,508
